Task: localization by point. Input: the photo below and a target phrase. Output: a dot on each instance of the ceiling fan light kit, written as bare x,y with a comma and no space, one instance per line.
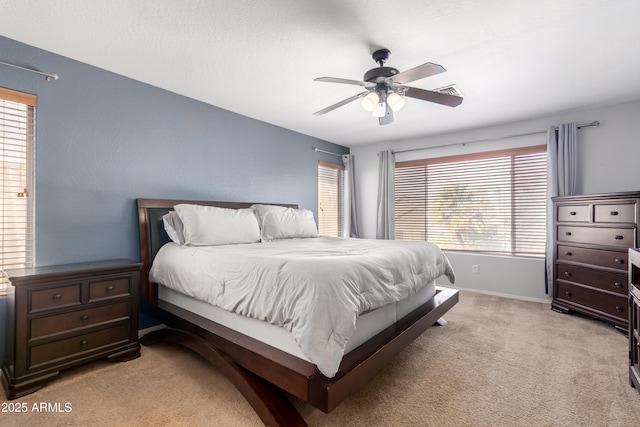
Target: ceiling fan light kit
385,88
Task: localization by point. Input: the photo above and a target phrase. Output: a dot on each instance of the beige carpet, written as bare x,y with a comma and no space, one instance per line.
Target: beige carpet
499,362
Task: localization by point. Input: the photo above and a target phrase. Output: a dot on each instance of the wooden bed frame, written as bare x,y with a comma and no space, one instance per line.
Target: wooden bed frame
260,372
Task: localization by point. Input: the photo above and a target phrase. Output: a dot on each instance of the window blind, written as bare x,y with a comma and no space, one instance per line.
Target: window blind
493,202
330,199
17,140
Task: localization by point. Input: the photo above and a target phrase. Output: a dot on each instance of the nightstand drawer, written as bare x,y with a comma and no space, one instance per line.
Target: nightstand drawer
599,257
612,305
78,319
57,297
573,213
612,282
109,288
623,212
80,344
619,237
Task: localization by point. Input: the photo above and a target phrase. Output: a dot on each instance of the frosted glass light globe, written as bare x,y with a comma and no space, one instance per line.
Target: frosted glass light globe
395,101
370,101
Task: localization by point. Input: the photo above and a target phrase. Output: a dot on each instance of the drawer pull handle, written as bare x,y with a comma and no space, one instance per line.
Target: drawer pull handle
619,261
110,288
568,254
619,309
567,273
618,285
573,213
567,233
57,296
568,293
84,343
614,213
84,317
619,237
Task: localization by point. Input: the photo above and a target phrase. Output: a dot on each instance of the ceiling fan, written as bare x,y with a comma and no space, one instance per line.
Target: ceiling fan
385,88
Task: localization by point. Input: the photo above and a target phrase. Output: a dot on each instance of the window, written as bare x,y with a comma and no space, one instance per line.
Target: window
492,202
330,199
17,140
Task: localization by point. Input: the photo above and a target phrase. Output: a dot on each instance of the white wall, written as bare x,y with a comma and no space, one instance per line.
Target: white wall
608,161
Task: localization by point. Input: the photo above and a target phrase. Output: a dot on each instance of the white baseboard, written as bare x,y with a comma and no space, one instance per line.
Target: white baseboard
498,294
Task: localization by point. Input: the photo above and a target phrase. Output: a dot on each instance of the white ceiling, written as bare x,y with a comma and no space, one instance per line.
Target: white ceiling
512,59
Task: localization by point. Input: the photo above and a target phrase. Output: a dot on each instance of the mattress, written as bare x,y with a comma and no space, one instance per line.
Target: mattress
367,324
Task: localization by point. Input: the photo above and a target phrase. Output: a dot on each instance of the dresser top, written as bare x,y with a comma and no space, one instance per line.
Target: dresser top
619,195
65,269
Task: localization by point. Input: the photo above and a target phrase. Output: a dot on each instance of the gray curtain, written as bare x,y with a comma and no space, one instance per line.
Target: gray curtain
562,179
386,219
351,221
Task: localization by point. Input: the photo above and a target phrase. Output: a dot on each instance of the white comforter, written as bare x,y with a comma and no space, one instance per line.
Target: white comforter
314,287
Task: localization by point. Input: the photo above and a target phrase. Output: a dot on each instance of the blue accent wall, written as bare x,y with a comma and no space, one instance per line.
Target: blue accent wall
103,140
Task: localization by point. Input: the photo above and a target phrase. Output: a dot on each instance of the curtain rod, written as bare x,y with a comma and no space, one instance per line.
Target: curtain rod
48,76
317,150
593,124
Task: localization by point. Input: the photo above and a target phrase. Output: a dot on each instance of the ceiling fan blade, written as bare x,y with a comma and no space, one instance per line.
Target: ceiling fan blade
343,81
419,72
431,96
341,103
387,119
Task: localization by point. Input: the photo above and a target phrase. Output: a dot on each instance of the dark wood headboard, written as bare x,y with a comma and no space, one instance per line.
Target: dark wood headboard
153,236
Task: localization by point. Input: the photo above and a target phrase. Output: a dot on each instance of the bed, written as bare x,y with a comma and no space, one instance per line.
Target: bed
265,369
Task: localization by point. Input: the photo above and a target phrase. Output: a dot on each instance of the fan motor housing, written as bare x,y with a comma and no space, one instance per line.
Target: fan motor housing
379,74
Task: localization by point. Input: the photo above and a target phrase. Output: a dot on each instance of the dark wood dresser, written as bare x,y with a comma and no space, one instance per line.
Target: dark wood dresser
66,315
592,236
634,318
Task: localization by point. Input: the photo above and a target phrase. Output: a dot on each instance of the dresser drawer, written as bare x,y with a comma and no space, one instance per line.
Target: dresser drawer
612,282
80,344
612,305
43,326
622,212
573,213
57,297
109,288
619,237
598,257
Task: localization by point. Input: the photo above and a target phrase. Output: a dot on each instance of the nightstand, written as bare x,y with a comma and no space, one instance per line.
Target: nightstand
67,315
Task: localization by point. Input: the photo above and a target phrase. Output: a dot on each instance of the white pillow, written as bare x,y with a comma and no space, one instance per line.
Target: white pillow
288,223
261,211
209,225
173,226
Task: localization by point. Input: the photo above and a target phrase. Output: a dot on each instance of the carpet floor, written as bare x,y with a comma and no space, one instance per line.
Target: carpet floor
498,362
